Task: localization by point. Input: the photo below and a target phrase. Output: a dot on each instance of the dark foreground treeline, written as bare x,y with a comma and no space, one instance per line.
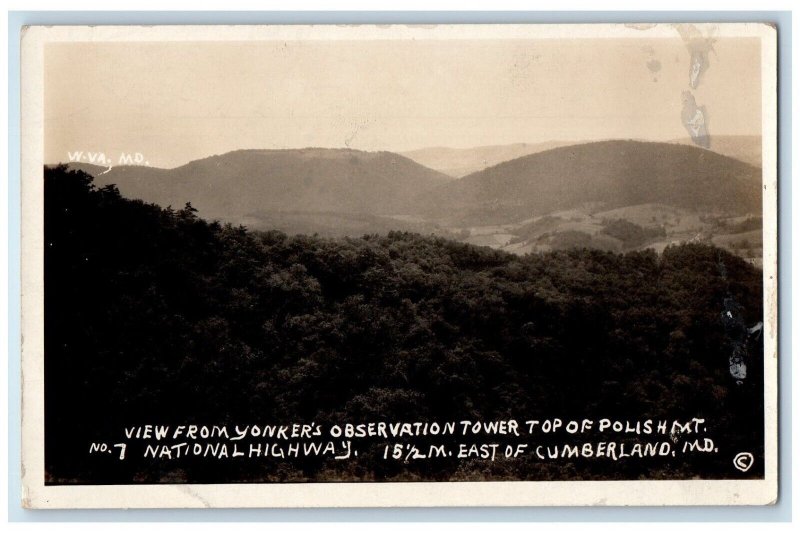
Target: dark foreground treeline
154,316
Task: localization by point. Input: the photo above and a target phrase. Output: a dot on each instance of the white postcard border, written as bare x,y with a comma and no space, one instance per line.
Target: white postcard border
366,494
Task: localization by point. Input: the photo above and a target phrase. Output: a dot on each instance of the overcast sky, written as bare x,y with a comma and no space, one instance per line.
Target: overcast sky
175,102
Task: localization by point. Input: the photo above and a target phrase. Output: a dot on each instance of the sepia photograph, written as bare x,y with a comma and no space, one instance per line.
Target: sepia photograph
293,266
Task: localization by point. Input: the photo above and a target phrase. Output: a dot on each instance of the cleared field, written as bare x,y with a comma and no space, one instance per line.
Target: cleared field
495,240
645,214
753,239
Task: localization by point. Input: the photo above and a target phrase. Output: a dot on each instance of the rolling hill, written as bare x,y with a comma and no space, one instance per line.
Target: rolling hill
238,185
606,174
460,162
611,195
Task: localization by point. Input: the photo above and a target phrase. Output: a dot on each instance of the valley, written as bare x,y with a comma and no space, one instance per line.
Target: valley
616,196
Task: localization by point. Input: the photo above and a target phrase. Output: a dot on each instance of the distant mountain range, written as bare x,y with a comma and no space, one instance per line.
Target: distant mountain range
459,162
237,185
614,195
606,174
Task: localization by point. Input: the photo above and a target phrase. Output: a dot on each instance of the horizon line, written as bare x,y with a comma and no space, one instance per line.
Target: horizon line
677,140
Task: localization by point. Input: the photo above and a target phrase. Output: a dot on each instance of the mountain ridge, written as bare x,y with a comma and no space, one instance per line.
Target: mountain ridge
611,173
460,162
236,184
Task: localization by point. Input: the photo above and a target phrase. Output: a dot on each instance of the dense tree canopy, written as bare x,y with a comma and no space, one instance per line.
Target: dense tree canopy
154,315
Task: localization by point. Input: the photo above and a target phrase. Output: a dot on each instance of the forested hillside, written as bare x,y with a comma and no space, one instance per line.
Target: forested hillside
245,183
154,315
608,174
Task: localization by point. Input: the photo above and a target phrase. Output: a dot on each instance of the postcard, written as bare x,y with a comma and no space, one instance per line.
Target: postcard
382,266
